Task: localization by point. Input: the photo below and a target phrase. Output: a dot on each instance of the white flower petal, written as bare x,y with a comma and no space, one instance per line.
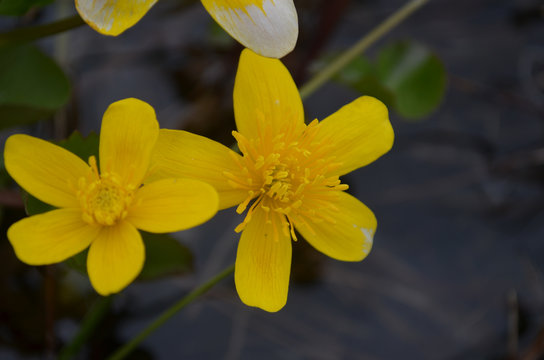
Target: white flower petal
268,27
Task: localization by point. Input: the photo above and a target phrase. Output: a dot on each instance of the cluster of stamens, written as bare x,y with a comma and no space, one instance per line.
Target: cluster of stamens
103,199
288,173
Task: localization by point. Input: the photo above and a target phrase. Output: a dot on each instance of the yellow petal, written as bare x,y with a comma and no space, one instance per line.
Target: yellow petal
172,205
263,263
268,27
265,95
47,171
357,134
129,133
51,237
180,154
115,258
112,17
351,235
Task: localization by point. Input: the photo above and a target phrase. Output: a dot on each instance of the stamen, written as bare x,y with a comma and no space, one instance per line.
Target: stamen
238,229
259,162
93,165
103,201
285,227
292,227
249,215
242,207
286,172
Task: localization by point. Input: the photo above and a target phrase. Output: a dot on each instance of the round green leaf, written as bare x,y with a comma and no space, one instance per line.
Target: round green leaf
415,76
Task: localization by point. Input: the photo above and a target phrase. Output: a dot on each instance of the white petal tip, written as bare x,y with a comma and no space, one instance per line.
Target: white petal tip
268,27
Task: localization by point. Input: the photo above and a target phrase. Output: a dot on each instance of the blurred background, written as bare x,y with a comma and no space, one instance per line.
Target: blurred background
457,268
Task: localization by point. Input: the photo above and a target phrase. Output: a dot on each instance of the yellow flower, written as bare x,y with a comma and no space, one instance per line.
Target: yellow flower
287,178
103,209
268,27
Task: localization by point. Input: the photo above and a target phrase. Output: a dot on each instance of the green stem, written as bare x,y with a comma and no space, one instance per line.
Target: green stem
91,321
128,347
356,50
40,31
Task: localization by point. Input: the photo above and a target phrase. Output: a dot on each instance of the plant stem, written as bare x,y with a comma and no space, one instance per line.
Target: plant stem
128,347
40,31
348,56
91,321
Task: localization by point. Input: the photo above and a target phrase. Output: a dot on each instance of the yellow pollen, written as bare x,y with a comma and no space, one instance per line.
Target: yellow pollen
103,199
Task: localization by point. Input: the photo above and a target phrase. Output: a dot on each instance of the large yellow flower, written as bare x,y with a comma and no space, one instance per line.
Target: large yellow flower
102,209
287,177
269,27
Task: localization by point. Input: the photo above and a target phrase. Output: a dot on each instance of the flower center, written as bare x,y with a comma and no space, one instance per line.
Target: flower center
104,200
277,183
287,173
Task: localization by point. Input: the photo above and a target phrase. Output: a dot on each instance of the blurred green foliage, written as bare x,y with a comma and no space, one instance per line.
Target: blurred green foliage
34,206
20,7
84,147
164,256
218,37
406,76
32,85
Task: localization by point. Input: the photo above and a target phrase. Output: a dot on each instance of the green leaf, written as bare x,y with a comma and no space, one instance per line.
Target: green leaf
34,206
371,85
164,256
407,77
362,76
32,85
78,262
219,37
13,115
354,71
82,147
415,76
20,7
